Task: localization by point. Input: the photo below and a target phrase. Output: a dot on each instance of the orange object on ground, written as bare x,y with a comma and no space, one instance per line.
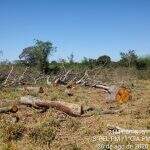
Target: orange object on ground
123,95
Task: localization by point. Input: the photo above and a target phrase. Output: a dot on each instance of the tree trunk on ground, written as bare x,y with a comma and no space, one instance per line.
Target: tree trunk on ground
70,109
120,94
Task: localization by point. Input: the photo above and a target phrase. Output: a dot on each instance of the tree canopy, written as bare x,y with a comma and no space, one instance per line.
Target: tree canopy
38,55
129,58
104,60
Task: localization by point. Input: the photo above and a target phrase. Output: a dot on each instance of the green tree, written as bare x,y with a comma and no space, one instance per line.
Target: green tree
129,58
85,61
141,65
71,58
38,55
88,62
54,67
28,56
104,60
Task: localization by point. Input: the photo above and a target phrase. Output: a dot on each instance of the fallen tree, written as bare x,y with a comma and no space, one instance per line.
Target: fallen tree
120,94
74,110
68,108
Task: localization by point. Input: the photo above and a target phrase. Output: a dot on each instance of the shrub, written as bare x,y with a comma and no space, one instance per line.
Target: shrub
53,68
104,60
141,65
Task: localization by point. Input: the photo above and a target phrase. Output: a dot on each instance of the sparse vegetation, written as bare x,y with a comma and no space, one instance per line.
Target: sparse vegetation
52,129
11,132
42,135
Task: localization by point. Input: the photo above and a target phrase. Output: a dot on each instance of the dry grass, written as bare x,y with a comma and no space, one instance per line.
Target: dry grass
55,130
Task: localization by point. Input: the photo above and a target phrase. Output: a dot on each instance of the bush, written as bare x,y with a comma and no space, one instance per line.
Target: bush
141,65
104,60
53,69
143,74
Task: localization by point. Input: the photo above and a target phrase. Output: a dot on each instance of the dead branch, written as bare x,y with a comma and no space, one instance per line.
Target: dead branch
84,76
12,68
65,76
18,80
110,112
22,76
48,82
102,112
61,79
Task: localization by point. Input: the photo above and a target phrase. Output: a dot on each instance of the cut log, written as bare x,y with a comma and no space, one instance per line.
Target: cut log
68,108
120,94
12,109
123,94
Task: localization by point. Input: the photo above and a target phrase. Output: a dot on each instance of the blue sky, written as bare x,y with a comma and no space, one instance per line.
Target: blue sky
87,28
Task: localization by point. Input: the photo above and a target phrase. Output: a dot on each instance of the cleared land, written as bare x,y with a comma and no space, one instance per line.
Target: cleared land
55,130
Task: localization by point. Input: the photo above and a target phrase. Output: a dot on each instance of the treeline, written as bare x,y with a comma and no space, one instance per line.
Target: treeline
38,55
